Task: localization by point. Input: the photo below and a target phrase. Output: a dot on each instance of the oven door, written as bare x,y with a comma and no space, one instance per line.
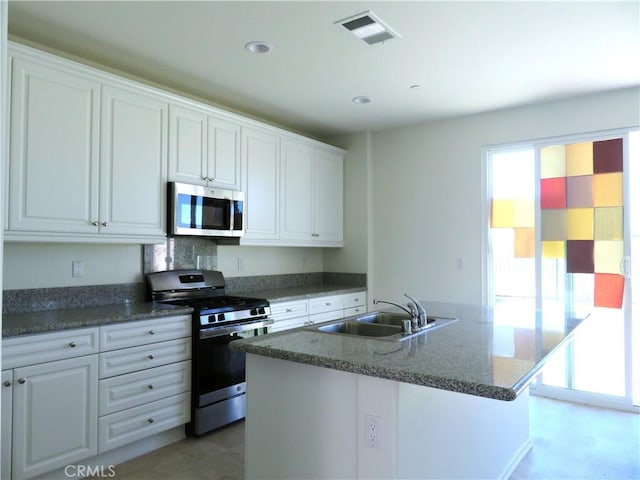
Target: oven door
218,371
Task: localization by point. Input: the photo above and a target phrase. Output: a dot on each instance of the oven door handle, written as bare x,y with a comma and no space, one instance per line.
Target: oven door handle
243,327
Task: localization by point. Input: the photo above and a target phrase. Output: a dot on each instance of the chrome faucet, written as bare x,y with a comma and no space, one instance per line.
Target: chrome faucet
415,310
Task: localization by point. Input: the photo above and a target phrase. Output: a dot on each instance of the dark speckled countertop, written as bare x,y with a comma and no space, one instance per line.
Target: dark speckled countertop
486,353
51,320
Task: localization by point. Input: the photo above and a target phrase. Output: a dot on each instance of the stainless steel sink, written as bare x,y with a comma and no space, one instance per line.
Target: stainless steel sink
379,325
361,329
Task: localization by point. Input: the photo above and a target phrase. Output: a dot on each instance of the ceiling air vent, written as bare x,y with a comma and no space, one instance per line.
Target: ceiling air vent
368,27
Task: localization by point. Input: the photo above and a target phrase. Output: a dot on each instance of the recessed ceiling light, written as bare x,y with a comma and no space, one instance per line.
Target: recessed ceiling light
361,99
368,27
258,47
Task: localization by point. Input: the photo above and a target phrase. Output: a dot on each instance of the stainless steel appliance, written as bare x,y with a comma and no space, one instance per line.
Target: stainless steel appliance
204,211
218,373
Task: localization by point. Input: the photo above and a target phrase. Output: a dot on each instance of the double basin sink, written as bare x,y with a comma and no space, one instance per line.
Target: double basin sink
379,325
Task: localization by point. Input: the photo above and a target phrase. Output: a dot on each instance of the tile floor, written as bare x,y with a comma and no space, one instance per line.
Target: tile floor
570,441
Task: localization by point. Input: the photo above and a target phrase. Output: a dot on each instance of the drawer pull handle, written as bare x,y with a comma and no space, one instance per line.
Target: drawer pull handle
22,381
150,387
7,383
289,310
73,344
150,420
150,357
328,304
151,332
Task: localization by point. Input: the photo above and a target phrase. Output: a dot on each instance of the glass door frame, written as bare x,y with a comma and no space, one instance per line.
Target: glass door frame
538,387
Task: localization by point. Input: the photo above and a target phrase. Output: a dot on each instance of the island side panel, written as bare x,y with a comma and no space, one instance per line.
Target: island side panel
451,435
301,421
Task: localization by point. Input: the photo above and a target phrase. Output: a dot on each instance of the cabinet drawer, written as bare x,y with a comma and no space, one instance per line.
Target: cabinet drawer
349,312
325,317
356,299
132,359
288,324
325,304
127,391
284,310
136,423
143,332
47,347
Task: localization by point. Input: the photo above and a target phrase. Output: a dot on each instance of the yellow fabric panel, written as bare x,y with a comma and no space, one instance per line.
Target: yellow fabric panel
552,162
607,190
502,212
553,249
607,256
579,159
580,224
554,224
524,213
524,244
608,223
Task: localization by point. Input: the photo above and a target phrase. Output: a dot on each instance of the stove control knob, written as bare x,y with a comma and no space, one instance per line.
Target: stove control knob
261,310
221,317
212,318
254,311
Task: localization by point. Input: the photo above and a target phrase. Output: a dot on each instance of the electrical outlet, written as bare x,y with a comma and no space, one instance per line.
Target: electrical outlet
77,268
372,431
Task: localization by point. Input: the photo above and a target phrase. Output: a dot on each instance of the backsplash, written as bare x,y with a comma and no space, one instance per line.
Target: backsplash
181,252
41,299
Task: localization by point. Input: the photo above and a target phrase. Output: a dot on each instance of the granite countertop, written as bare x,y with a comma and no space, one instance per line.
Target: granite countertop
486,353
299,293
52,320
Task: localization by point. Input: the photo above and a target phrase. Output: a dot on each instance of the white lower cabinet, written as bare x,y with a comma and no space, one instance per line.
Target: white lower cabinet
55,414
144,388
70,395
299,313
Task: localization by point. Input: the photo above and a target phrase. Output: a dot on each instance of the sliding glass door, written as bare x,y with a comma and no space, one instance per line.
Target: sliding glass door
560,239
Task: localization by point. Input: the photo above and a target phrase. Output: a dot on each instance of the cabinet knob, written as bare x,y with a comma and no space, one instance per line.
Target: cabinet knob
95,224
289,310
7,383
151,332
150,420
73,344
105,224
328,304
22,381
150,357
150,387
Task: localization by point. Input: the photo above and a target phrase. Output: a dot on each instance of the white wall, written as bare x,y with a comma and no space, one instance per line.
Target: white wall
427,190
236,261
42,265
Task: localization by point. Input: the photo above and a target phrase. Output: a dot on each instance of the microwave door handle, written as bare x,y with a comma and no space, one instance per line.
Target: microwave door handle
232,213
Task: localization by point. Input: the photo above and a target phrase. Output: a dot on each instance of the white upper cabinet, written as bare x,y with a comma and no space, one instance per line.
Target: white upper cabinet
133,163
260,166
54,149
311,195
88,155
204,149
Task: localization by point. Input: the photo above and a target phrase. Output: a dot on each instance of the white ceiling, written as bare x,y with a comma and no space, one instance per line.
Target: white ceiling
467,57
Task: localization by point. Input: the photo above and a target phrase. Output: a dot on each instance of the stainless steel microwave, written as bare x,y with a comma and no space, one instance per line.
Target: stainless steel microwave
204,211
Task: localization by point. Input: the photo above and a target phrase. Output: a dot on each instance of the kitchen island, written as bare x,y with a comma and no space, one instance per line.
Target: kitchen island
448,403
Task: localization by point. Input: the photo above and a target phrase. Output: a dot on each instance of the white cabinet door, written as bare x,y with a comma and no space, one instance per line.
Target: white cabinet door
187,145
223,153
55,416
54,149
133,163
5,438
296,169
260,172
327,197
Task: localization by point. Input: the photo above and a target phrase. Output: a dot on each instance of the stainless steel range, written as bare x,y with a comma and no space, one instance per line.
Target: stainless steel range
218,373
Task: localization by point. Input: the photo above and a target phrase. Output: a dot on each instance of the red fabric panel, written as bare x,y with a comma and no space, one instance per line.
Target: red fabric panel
553,193
609,290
